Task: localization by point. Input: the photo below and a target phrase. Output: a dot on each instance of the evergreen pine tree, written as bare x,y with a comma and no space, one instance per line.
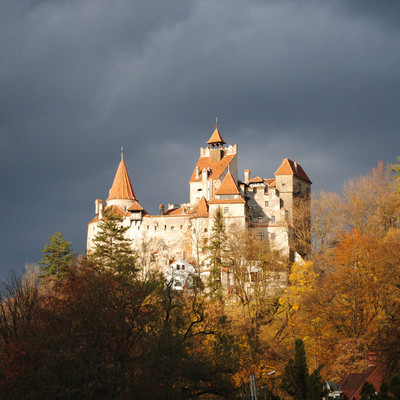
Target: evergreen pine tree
113,249
57,256
216,250
297,382
301,370
368,392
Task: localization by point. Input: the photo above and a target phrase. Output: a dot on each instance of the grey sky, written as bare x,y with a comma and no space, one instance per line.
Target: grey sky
317,81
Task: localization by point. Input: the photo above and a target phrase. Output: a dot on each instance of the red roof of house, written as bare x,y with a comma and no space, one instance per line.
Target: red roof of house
121,187
228,186
239,200
256,179
136,207
289,167
353,382
216,168
116,210
202,208
271,182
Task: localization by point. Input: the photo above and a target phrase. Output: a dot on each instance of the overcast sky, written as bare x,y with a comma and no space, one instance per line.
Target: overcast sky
315,81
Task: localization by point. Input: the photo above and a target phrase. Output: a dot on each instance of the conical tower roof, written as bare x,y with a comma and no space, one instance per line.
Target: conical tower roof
216,137
121,188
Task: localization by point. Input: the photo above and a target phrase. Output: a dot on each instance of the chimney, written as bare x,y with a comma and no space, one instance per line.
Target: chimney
99,208
246,176
161,207
197,172
295,165
204,175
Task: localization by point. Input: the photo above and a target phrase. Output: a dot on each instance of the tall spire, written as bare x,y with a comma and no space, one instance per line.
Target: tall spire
216,138
121,188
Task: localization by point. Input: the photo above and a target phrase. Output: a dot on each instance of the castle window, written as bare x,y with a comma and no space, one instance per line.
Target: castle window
181,227
266,190
266,203
226,210
273,218
254,203
148,226
183,267
255,190
172,227
165,227
260,219
155,227
178,267
261,236
205,229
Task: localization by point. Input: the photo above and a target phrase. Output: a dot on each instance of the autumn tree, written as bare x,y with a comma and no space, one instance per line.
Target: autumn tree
57,256
396,168
112,249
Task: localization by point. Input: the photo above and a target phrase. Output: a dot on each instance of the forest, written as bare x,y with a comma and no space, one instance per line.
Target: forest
88,327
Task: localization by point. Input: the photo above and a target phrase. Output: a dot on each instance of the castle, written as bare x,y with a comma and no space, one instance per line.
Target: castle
263,207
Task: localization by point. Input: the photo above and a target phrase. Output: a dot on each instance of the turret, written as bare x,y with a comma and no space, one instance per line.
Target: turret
121,193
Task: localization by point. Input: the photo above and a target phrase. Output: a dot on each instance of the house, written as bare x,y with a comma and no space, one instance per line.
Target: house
352,383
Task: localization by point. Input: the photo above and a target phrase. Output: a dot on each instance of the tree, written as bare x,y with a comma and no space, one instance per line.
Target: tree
368,392
112,249
296,380
396,168
57,256
216,250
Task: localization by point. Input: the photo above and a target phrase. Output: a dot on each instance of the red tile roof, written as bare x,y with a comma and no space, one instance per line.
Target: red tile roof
216,137
228,186
95,219
136,207
174,211
202,208
216,167
239,200
256,179
116,210
289,167
271,182
121,187
353,382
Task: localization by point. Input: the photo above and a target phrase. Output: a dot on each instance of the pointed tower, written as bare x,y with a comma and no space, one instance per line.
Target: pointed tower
121,193
212,166
216,144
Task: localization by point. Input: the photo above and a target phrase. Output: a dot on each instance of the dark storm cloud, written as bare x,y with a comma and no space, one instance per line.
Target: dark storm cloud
315,81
